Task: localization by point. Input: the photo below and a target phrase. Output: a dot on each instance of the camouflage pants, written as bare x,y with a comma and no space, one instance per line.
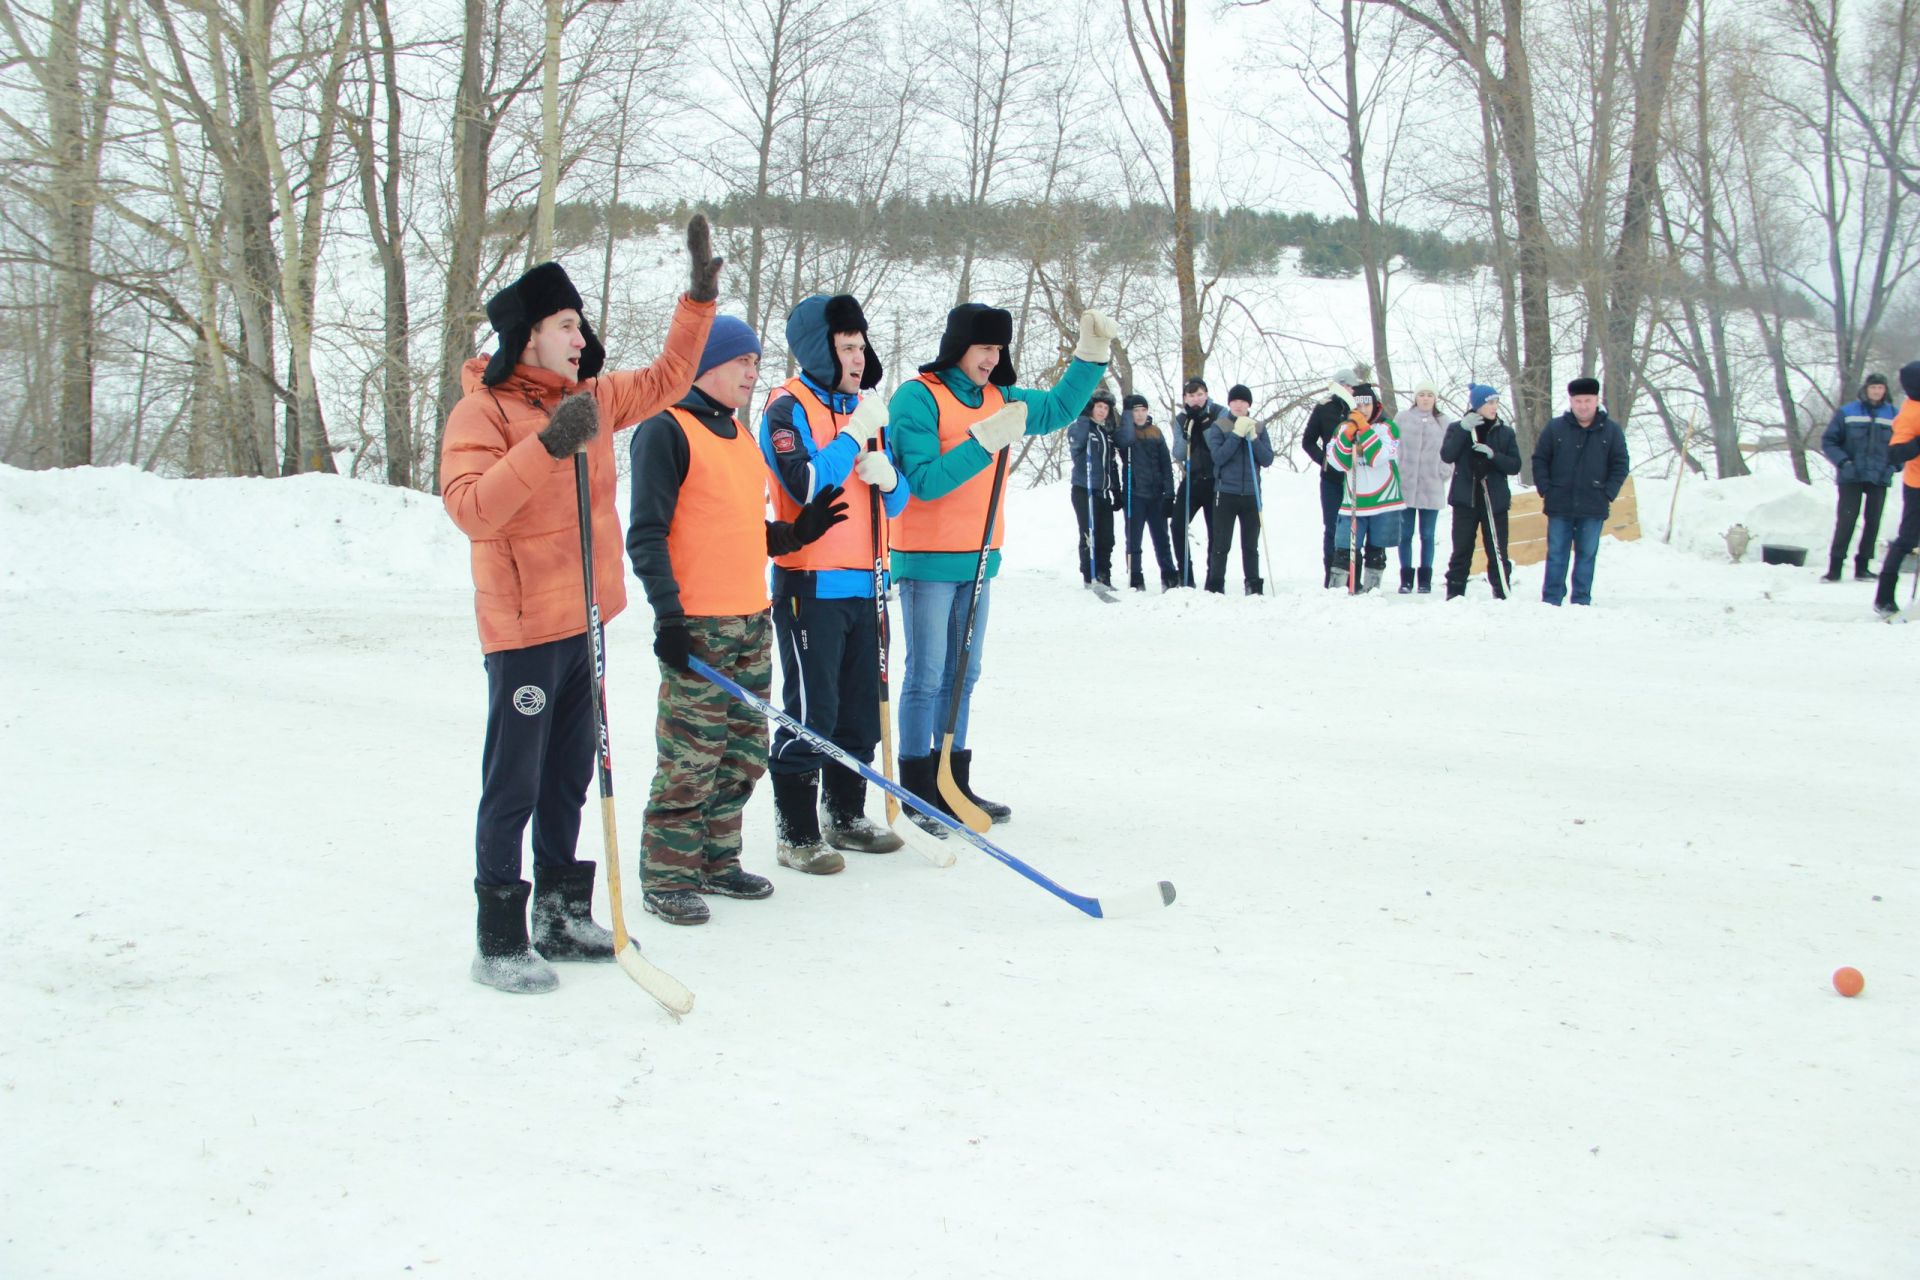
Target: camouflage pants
711,750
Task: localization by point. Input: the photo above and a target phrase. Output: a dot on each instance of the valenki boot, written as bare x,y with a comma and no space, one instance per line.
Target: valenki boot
502,959
563,927
844,805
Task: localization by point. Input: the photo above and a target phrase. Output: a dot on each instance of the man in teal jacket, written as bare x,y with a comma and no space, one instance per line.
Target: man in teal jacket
947,427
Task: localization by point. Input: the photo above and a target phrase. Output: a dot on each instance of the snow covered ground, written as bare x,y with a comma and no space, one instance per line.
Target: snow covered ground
1502,945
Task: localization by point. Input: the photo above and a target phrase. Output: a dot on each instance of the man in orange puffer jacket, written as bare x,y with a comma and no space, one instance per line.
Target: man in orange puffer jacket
507,478
1904,453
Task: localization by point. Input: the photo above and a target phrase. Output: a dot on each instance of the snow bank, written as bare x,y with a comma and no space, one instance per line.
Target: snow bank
116,531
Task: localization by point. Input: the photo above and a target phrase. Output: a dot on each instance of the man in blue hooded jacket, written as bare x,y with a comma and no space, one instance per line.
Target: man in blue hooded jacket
818,433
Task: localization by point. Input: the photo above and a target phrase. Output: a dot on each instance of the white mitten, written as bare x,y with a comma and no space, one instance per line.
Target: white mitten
877,470
867,419
1002,428
1097,332
1245,427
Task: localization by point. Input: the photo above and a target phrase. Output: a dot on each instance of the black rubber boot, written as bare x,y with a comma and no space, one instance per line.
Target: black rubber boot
963,774
563,927
1139,582
844,800
502,959
1834,564
920,775
1424,580
797,827
676,906
1861,573
734,881
1406,582
1256,586
1168,581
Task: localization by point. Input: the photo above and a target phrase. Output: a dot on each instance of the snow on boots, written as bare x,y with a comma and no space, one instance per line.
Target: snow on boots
798,828
563,927
503,960
843,804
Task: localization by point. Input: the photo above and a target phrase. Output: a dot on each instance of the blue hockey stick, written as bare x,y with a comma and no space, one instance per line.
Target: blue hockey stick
1159,895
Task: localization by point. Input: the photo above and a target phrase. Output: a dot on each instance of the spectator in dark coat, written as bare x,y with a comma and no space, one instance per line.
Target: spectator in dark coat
1240,449
1147,482
1327,417
1578,467
1198,412
1483,451
1096,487
1856,443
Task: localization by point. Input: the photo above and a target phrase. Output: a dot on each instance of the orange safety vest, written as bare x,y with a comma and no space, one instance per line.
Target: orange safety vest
953,522
849,544
718,540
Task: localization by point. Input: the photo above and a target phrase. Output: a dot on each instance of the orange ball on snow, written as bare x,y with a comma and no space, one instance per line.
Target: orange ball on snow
1848,981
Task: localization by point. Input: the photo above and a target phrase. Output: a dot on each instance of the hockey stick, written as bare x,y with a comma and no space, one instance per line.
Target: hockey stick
959,801
656,982
1260,514
1137,900
881,633
1496,558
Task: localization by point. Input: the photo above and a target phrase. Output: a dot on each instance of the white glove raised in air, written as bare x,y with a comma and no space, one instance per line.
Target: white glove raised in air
877,470
1001,429
1097,332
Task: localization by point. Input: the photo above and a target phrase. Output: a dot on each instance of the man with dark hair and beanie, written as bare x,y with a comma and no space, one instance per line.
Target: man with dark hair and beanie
507,479
818,433
699,541
1903,452
947,427
1197,412
1483,451
1328,417
1856,443
1148,486
1579,464
1239,449
1096,487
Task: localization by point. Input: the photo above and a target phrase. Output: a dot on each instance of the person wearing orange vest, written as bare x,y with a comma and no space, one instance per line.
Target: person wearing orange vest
1903,452
946,428
816,433
507,479
699,540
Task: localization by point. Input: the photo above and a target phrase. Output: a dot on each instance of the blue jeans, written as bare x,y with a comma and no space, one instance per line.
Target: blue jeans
1382,531
1427,520
934,620
1578,537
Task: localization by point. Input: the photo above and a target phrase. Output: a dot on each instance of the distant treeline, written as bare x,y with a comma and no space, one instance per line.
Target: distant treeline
1235,241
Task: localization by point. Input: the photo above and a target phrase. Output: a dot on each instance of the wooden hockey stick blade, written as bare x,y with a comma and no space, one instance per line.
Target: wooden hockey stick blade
671,994
964,809
928,847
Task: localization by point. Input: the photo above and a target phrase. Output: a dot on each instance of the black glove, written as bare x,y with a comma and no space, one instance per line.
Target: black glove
574,422
672,645
820,515
705,286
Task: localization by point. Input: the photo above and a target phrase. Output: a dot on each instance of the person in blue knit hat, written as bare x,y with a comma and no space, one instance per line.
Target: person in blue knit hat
699,541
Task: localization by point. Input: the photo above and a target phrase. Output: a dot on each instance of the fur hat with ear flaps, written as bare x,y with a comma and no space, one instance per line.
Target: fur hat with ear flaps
810,329
975,324
514,311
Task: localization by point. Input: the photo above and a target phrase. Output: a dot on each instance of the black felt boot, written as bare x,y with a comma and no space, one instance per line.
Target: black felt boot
563,927
963,774
920,775
502,959
797,827
844,802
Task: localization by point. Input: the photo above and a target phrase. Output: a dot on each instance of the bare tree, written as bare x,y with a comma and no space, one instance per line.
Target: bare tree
1157,34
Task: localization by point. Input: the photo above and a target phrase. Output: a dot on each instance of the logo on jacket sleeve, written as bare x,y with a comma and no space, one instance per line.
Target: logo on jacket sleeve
529,699
784,440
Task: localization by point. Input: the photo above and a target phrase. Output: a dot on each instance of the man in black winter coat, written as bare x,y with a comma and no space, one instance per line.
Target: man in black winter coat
1326,418
1197,413
1579,466
1483,451
1147,484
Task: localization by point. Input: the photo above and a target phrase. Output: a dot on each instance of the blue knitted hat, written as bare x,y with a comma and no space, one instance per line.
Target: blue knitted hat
1478,393
729,339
